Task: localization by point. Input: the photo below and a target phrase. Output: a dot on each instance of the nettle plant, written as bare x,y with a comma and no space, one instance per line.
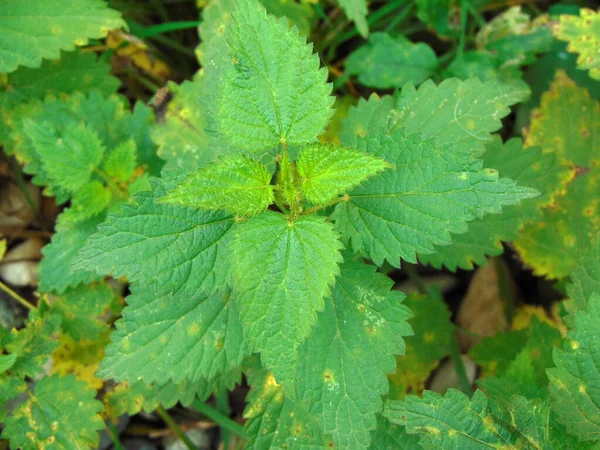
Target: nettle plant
262,250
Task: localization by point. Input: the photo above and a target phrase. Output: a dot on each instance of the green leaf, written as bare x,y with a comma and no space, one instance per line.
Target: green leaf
179,248
32,344
40,29
69,157
357,11
327,171
583,35
272,90
575,379
347,356
80,310
494,354
584,280
455,422
237,184
173,337
61,413
435,186
386,62
74,71
552,245
528,167
441,15
56,273
89,200
485,66
281,272
6,362
275,422
301,15
389,436
121,161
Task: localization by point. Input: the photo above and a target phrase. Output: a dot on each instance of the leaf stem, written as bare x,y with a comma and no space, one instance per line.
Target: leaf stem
463,28
16,296
217,417
343,198
164,415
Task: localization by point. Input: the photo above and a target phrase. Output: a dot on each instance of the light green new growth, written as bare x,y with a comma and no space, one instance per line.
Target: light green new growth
121,161
89,200
583,35
272,92
327,171
386,62
171,337
36,29
281,272
70,157
61,413
453,422
435,186
357,11
178,248
344,362
574,381
237,184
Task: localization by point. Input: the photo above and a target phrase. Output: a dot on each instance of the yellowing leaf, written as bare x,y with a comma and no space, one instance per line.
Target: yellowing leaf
136,50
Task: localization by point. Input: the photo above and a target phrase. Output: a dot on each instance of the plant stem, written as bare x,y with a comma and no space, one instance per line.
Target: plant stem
114,435
164,415
343,198
459,366
146,32
217,417
222,401
16,296
463,28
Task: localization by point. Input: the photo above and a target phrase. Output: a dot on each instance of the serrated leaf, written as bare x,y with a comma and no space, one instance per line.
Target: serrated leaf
275,422
6,362
80,358
237,184
120,162
61,412
272,90
80,310
39,29
89,200
69,157
56,273
583,35
281,272
435,186
386,62
584,280
32,344
575,379
74,71
389,436
552,244
163,338
494,354
347,356
327,171
528,167
455,422
429,344
357,11
180,249
485,66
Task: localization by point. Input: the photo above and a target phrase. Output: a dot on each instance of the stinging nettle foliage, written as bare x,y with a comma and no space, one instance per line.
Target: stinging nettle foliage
261,249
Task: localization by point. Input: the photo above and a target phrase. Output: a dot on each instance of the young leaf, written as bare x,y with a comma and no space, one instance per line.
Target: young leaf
435,186
61,413
553,244
163,338
272,91
179,248
455,422
347,356
328,171
575,379
40,29
281,272
121,160
56,273
528,167
237,184
583,35
357,11
69,157
89,200
80,310
386,62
